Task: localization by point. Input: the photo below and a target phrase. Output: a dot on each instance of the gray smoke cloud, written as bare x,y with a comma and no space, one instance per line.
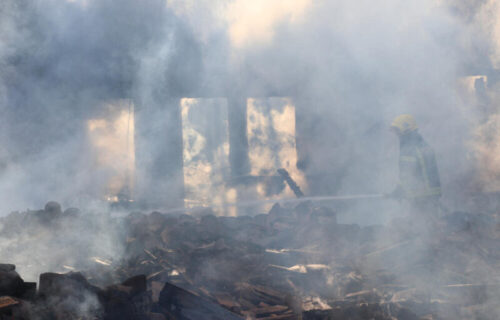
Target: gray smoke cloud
350,67
359,66
59,62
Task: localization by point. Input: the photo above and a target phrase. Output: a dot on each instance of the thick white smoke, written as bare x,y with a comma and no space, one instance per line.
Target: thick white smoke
354,65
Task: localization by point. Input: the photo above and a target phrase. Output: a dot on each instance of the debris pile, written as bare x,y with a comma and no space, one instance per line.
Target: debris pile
291,263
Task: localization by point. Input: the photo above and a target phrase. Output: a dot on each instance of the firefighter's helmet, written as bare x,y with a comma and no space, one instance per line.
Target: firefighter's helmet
404,123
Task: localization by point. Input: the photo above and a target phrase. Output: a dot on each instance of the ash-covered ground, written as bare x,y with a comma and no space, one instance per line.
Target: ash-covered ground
294,262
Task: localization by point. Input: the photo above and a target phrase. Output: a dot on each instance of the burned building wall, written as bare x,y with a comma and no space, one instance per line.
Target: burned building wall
238,140
321,155
159,164
60,62
61,59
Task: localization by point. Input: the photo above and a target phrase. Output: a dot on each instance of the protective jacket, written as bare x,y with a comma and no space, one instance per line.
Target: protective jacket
418,171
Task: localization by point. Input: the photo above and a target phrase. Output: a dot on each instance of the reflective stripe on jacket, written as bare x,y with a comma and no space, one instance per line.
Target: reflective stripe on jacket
418,172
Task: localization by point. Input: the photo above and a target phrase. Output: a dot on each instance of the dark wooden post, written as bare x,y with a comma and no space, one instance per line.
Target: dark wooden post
238,140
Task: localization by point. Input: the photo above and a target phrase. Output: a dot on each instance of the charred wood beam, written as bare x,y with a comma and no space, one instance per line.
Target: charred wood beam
291,183
184,305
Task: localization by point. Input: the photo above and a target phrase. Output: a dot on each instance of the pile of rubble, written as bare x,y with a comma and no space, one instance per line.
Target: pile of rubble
291,263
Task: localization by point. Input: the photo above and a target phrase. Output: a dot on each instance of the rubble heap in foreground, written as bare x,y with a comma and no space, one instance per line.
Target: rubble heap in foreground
292,263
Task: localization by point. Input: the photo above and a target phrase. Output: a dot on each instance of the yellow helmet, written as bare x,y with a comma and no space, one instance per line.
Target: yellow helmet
404,123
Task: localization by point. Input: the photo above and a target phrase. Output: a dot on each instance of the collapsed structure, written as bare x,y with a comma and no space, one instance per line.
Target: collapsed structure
294,262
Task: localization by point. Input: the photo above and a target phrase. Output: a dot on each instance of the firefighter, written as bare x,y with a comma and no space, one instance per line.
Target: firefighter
419,182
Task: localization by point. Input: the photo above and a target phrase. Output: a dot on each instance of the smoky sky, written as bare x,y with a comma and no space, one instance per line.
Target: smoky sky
59,61
351,65
63,58
356,65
